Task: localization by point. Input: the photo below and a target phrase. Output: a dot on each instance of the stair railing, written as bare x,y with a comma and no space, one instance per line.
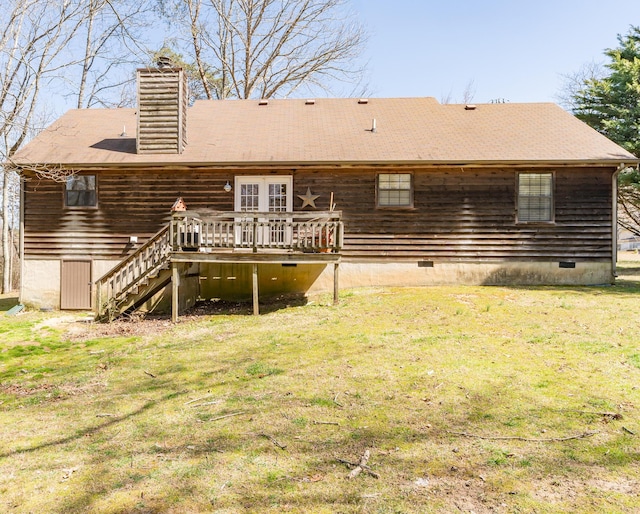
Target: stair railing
117,282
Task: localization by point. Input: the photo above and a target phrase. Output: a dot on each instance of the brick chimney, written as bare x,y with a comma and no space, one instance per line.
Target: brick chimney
162,109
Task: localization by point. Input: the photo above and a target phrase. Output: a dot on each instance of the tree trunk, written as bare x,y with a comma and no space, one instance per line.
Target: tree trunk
6,251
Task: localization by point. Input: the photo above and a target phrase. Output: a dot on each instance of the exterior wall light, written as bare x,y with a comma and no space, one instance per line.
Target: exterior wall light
227,187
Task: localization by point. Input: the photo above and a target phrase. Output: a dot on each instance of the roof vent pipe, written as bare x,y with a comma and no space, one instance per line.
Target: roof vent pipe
374,125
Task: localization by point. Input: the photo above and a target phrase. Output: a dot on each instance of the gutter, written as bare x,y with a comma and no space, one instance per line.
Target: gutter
178,164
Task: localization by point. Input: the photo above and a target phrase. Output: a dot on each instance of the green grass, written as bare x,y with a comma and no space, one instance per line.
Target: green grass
463,395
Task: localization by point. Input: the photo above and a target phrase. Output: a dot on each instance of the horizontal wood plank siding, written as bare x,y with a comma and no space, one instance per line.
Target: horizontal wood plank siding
457,215
470,216
162,107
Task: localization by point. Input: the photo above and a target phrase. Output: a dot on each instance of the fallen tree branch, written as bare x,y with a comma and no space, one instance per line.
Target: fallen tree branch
612,415
105,415
215,402
630,432
150,374
228,415
326,423
360,466
198,399
517,438
274,441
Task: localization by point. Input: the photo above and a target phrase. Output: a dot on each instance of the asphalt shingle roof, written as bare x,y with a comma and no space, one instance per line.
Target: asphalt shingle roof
408,130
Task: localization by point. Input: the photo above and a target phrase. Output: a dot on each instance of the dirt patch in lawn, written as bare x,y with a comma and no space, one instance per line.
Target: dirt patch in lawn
131,327
50,391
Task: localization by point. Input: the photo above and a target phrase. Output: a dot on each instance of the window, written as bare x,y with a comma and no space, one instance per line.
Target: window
535,197
394,190
80,191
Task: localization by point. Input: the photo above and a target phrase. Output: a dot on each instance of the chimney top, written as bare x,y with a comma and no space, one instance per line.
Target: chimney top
164,62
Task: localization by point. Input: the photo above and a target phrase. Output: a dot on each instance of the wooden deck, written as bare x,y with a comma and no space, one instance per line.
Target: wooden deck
231,237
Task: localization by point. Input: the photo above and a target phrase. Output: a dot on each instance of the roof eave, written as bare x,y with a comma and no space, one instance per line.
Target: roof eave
624,161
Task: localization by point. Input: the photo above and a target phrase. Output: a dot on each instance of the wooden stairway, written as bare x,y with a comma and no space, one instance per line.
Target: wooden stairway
135,279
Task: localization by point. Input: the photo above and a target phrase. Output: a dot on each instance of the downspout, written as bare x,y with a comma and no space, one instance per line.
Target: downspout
614,224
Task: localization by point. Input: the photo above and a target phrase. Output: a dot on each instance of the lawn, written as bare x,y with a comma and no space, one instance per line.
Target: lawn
467,399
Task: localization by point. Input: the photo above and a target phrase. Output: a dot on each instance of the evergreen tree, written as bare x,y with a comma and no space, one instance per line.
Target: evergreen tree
611,105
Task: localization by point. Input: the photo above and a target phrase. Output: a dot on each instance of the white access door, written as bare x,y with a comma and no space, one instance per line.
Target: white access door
264,194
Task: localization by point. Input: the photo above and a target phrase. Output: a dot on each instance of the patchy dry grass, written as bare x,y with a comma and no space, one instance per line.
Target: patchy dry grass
461,394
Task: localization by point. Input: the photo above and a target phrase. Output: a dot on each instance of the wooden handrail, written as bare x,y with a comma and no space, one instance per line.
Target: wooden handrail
131,270
298,215
287,231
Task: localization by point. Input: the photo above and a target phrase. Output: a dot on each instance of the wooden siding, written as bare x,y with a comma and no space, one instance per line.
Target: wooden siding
458,215
162,107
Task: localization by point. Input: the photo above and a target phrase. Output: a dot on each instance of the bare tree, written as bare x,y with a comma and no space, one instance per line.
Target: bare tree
33,35
268,48
468,94
41,43
112,39
574,83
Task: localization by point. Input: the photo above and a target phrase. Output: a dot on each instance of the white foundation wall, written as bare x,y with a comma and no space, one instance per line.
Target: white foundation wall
508,273
41,281
41,278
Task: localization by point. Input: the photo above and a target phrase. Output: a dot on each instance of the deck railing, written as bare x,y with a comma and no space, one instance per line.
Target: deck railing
218,232
257,231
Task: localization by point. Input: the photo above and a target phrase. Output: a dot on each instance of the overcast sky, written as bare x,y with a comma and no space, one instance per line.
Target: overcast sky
515,50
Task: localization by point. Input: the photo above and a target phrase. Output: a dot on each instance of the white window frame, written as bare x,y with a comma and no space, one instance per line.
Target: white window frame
268,235
264,181
524,213
382,193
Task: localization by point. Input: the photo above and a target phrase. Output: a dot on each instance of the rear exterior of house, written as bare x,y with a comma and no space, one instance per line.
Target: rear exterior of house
419,194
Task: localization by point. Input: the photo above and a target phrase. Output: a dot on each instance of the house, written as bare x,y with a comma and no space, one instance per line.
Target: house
308,195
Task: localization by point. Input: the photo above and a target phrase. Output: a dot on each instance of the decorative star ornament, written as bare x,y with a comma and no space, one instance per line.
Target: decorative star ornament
308,199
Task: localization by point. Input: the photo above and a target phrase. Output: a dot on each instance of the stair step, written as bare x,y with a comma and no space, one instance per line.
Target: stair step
142,283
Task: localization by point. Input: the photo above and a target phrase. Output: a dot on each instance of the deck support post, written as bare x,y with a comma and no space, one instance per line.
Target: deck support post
256,305
98,299
336,274
175,287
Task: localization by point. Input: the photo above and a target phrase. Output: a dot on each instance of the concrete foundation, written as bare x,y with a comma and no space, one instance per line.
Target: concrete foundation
41,284
436,273
41,280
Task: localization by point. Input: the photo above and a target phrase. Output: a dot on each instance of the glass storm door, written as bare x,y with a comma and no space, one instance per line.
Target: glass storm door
264,194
